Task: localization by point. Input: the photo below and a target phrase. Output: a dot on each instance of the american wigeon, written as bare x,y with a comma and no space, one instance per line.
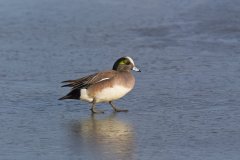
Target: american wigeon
104,86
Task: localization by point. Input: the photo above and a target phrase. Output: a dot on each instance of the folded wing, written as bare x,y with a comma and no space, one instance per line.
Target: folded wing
86,81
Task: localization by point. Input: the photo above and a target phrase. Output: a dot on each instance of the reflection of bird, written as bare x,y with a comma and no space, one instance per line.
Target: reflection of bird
104,86
106,137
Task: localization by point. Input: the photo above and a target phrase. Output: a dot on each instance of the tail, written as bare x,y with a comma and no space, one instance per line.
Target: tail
74,94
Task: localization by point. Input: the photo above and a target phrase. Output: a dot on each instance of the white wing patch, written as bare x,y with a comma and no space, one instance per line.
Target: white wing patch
102,80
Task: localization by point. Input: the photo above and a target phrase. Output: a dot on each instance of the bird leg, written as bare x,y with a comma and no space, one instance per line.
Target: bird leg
117,109
93,109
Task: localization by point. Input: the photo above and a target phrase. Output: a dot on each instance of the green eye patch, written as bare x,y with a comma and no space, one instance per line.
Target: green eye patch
125,61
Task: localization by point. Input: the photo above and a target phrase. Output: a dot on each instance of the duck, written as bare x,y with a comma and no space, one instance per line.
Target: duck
105,86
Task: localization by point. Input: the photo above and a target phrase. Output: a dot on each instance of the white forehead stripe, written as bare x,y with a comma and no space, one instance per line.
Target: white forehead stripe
130,59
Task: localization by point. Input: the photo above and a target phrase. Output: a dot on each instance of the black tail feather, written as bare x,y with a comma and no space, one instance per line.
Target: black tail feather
67,85
68,81
74,94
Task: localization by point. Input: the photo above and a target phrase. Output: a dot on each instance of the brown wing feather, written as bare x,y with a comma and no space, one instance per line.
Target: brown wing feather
80,81
86,81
